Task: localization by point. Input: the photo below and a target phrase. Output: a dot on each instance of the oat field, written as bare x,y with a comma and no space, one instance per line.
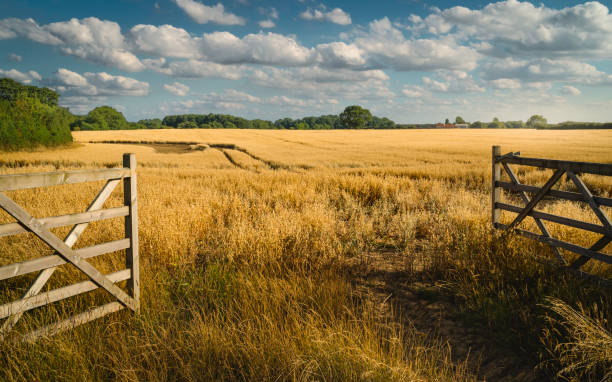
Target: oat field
319,255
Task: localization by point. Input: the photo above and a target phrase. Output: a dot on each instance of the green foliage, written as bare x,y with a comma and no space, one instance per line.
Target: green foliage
223,121
355,117
536,121
11,90
446,121
27,123
154,123
459,120
569,125
103,118
29,117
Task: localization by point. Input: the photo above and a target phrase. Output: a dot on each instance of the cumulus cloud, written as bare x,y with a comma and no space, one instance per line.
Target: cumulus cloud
386,46
204,14
177,88
194,69
14,57
266,24
453,82
514,28
336,16
413,91
570,90
96,84
506,83
22,77
545,70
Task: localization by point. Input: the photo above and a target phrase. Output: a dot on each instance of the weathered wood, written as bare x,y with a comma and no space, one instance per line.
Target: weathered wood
131,229
557,219
495,191
63,250
598,246
572,196
23,181
545,188
35,265
576,167
562,244
539,223
65,220
70,239
72,322
29,303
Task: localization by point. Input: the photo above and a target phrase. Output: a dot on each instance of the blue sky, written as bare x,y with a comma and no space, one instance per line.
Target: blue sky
409,60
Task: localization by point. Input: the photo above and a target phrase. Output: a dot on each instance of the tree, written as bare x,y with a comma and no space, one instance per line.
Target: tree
477,125
536,121
459,120
446,121
355,117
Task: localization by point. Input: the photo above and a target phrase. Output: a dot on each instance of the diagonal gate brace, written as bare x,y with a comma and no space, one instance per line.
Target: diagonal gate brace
70,240
63,250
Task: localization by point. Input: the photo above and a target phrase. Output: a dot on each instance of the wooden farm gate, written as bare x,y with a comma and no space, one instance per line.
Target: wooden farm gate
572,170
64,254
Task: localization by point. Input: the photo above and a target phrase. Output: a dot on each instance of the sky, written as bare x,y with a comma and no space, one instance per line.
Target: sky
409,60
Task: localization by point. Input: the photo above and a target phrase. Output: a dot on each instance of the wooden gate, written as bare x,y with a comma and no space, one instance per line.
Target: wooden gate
572,170
64,254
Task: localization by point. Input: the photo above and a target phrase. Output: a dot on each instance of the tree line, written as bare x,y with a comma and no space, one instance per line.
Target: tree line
29,117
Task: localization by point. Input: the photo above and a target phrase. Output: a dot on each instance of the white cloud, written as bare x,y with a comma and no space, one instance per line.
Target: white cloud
570,90
545,70
453,82
28,28
340,54
506,83
203,14
18,76
513,28
95,40
195,69
177,88
164,40
267,24
386,46
336,16
14,57
412,91
97,84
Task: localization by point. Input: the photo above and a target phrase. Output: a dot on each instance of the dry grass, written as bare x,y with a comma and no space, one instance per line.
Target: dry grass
244,264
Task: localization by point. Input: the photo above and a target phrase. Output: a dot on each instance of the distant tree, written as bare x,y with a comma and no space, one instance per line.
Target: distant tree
477,125
515,124
459,120
188,125
536,121
355,117
446,121
154,123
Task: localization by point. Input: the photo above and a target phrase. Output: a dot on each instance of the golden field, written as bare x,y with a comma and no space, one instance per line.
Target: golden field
319,255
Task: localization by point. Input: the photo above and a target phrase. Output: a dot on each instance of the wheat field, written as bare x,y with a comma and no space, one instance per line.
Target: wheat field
313,255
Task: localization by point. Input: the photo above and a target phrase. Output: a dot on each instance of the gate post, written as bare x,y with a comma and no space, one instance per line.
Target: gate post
495,191
131,228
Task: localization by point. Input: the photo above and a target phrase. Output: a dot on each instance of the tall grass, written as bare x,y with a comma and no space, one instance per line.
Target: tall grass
246,272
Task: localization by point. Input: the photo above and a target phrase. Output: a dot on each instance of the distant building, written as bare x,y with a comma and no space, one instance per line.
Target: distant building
461,125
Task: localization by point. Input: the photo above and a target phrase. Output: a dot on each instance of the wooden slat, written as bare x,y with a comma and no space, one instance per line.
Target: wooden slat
577,167
573,196
598,246
70,240
557,219
130,193
64,220
537,197
72,322
495,191
41,263
23,181
25,304
63,250
562,244
539,223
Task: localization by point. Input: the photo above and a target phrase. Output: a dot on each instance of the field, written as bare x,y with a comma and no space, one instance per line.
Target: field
320,255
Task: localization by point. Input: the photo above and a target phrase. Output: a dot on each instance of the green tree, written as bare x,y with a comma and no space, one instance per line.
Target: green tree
459,120
536,121
355,117
446,121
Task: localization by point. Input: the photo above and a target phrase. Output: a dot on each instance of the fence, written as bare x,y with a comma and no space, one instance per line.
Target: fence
573,171
64,254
